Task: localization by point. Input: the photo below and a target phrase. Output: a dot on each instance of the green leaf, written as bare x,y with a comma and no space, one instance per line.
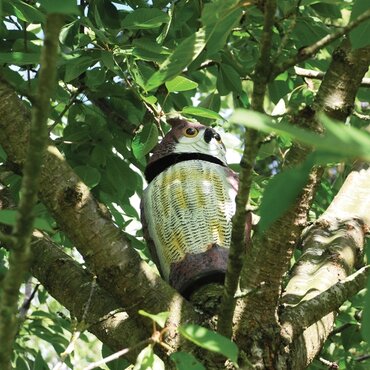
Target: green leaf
341,140
186,361
231,79
95,77
76,66
22,364
40,363
26,12
9,217
360,35
145,140
201,112
351,336
184,54
218,22
159,318
19,58
280,193
98,155
219,18
3,154
121,176
61,7
145,18
210,340
212,102
108,14
147,360
180,83
89,175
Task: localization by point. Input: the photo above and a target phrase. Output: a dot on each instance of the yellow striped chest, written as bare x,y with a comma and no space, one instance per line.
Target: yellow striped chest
188,208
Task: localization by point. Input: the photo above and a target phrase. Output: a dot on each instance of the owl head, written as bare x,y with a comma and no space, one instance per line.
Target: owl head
186,140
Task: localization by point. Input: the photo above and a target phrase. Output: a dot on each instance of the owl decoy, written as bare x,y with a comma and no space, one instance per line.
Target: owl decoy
188,205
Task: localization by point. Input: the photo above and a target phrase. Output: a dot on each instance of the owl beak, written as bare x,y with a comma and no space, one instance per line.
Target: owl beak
209,134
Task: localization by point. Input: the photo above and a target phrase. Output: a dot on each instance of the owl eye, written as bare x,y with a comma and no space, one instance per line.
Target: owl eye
191,132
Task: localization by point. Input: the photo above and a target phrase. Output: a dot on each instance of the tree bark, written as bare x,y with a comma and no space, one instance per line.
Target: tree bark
89,226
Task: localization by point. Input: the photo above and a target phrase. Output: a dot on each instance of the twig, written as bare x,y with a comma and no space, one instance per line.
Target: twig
19,255
364,117
362,358
117,355
329,364
66,108
286,37
341,328
319,75
311,50
251,145
298,318
28,299
78,329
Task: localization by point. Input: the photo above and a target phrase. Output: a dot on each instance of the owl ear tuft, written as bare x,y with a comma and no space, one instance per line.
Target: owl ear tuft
176,122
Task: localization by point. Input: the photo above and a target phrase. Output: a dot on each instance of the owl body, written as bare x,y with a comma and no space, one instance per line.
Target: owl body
188,206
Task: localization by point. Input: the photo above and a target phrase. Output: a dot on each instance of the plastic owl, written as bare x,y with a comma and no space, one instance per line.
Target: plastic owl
188,205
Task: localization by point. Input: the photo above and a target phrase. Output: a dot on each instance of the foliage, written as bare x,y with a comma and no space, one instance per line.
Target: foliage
124,67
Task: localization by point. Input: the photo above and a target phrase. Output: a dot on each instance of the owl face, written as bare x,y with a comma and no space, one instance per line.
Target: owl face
200,139
189,137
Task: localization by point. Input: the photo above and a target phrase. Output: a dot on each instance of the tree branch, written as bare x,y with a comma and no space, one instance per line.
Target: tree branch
319,75
19,255
268,257
311,50
89,226
251,146
296,319
70,284
331,248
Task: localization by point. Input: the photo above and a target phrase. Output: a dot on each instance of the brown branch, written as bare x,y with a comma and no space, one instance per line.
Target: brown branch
311,50
319,75
331,247
268,257
251,145
75,288
297,318
70,284
87,223
19,255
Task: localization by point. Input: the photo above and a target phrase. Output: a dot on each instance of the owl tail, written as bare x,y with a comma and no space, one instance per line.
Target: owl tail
196,270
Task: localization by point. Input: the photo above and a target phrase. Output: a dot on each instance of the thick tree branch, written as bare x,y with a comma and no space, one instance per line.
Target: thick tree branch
89,226
71,284
331,248
342,81
268,257
19,255
296,319
311,50
251,145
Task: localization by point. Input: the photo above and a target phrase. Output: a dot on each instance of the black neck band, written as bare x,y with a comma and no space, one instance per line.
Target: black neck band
154,169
